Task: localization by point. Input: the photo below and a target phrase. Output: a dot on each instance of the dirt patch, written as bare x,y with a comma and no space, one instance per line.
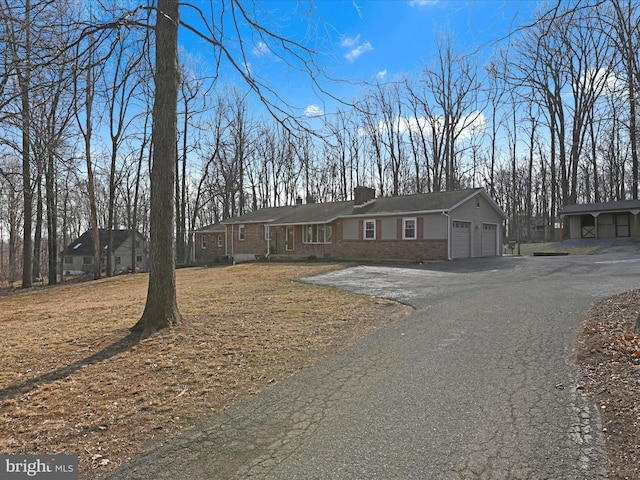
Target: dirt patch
608,352
73,380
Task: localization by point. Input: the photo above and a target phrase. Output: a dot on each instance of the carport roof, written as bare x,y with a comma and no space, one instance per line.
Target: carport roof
600,207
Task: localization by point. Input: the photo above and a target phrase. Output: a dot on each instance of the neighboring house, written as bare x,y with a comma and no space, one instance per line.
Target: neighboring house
602,220
421,227
78,255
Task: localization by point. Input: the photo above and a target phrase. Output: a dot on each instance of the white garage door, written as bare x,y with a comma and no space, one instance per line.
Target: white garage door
489,239
461,240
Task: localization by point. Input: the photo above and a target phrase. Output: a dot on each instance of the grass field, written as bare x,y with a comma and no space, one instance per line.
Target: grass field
73,380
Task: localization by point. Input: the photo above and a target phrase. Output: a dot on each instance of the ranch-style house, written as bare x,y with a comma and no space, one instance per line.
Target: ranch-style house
415,228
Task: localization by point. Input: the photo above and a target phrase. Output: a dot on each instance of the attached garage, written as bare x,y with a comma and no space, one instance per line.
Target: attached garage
461,239
475,228
489,240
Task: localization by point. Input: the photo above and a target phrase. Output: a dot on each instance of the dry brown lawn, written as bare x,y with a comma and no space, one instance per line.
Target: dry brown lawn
73,380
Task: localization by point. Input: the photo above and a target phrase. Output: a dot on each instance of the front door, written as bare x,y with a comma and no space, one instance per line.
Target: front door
622,225
290,239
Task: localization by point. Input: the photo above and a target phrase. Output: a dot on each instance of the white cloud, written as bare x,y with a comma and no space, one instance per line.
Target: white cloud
381,75
422,3
605,81
260,50
469,126
473,124
313,111
355,53
349,42
355,47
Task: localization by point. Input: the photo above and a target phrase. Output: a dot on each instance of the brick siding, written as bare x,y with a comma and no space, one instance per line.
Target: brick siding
255,244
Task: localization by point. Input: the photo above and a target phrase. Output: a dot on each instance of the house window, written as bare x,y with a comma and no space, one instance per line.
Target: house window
316,233
203,242
241,232
118,261
409,229
369,229
87,260
138,258
219,241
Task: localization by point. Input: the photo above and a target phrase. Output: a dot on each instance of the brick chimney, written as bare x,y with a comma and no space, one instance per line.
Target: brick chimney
363,195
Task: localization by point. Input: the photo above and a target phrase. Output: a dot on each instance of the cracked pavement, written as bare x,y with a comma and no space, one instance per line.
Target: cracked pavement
477,384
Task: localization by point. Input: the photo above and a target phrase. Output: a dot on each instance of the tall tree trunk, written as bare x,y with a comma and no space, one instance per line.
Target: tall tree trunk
633,137
136,195
628,51
36,266
161,309
182,253
24,82
529,207
85,124
594,158
112,207
52,219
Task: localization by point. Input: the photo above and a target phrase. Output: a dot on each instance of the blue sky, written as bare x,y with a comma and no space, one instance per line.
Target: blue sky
370,40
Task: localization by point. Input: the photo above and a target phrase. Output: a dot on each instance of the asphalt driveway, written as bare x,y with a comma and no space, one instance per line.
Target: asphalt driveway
477,384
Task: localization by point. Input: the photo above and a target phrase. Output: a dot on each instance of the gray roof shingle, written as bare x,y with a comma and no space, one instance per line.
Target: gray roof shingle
327,212
83,245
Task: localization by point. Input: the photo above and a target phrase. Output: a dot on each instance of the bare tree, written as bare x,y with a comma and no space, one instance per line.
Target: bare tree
193,95
452,79
10,189
161,308
370,124
623,30
18,33
342,130
390,126
85,95
128,58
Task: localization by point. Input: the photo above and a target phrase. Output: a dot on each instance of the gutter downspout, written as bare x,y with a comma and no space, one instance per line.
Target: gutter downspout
268,227
232,259
192,253
226,241
448,235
